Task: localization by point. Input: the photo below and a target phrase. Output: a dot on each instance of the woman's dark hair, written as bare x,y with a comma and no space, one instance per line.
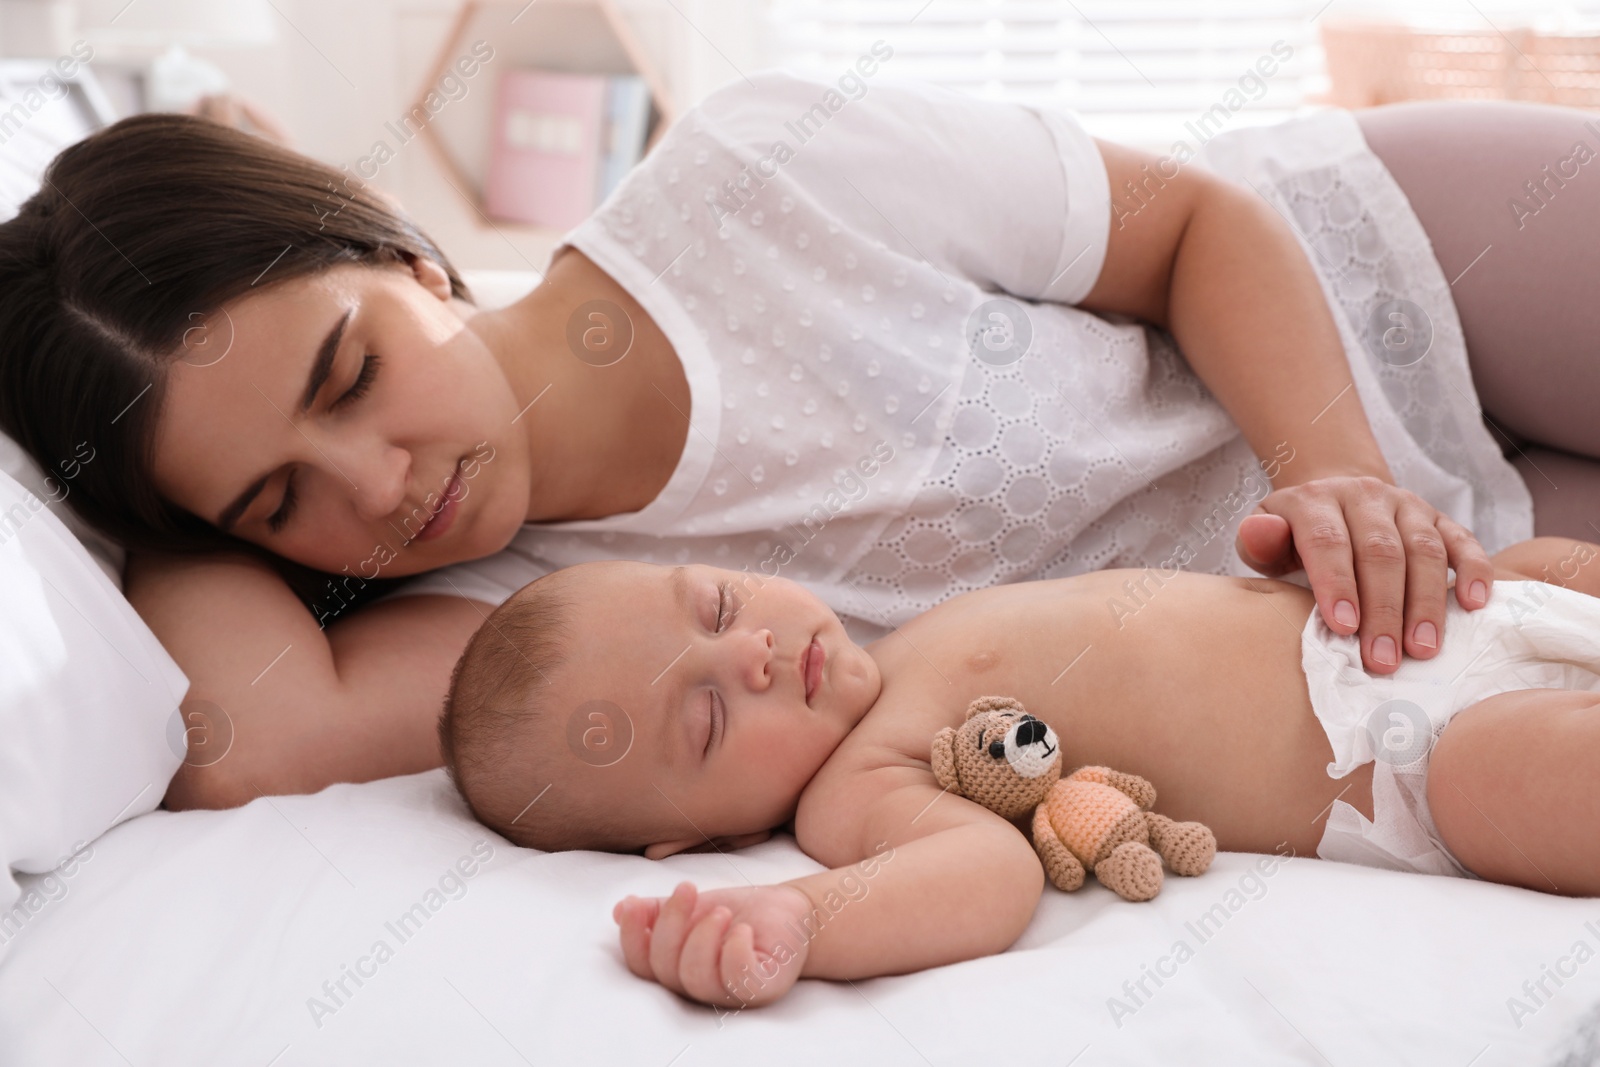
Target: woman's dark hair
137,233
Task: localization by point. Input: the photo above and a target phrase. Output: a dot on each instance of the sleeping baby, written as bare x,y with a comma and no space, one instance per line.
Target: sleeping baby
640,708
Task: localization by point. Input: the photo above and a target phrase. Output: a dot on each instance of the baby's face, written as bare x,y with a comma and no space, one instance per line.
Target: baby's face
702,668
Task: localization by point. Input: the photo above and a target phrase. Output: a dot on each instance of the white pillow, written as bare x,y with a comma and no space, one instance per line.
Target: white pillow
52,492
498,288
90,732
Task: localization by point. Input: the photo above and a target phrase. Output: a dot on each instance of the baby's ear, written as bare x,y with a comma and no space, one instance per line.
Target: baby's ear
722,844
663,849
944,759
738,841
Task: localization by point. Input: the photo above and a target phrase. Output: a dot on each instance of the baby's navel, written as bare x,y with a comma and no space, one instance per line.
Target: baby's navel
980,662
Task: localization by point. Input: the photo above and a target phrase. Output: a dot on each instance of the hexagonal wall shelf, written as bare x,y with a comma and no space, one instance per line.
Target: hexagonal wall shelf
572,36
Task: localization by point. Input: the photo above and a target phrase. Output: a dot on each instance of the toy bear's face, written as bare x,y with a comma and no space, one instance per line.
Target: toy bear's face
1001,757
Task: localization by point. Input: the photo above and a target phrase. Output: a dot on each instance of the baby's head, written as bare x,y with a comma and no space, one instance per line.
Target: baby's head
626,706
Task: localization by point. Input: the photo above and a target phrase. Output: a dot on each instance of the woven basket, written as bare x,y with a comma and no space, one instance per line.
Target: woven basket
1372,63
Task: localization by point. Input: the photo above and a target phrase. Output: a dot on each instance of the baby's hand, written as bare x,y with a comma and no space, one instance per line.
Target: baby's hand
730,947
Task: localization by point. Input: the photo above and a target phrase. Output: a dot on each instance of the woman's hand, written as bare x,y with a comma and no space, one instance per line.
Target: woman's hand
735,948
1376,556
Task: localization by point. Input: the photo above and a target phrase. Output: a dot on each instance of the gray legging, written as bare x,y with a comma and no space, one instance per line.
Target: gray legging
1530,304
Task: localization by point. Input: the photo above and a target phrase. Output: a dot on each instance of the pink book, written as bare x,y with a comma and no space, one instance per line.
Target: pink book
544,155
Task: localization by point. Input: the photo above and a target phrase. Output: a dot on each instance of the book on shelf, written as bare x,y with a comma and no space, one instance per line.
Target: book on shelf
561,143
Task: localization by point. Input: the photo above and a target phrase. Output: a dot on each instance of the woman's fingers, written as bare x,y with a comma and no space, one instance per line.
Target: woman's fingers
1324,542
1427,577
1266,542
1377,558
1472,564
666,940
1380,564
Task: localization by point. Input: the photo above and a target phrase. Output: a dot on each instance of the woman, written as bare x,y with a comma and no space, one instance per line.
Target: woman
267,355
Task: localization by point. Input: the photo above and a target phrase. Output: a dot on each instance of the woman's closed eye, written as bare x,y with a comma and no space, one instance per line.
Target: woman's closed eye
278,519
358,389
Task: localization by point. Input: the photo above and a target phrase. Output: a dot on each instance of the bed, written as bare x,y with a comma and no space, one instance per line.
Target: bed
223,937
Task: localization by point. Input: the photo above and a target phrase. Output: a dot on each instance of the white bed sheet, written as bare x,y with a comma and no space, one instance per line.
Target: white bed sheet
201,937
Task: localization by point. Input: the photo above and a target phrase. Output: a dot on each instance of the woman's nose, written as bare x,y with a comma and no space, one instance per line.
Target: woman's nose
378,482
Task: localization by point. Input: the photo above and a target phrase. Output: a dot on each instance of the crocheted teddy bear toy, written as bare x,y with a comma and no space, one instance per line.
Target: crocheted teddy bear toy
1094,819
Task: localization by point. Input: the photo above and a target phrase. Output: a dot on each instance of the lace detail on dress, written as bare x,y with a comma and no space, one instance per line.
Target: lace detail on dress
1037,456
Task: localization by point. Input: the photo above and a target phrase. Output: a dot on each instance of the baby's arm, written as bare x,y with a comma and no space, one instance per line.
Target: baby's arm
919,879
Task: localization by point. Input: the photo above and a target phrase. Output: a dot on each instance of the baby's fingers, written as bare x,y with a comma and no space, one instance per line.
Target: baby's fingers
666,940
699,964
637,916
740,980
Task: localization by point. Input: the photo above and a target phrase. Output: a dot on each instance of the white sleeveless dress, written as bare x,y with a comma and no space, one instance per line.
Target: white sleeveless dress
893,400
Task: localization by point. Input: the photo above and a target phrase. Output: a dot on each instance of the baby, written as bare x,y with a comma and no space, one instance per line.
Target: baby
632,707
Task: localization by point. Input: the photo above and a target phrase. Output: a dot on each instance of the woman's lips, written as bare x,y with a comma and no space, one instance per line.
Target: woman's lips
811,667
436,526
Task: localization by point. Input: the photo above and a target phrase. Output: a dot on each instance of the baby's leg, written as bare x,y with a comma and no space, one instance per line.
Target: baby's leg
1563,561
1514,789
1514,780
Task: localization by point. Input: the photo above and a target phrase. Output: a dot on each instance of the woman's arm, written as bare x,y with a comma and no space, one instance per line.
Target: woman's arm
307,707
1217,266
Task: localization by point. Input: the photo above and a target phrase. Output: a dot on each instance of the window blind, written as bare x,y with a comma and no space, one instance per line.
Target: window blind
1136,71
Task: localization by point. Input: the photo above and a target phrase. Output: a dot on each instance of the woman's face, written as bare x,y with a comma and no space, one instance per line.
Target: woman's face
346,462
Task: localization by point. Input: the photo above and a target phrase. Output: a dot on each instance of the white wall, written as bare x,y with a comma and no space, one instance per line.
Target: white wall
341,69
387,49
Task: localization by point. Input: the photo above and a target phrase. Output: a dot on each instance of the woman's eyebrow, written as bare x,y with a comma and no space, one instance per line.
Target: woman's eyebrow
321,367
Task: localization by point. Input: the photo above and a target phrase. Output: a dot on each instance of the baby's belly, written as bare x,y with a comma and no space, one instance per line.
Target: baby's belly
1194,683
1200,689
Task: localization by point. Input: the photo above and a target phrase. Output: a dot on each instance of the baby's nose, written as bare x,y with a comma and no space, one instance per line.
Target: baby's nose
758,669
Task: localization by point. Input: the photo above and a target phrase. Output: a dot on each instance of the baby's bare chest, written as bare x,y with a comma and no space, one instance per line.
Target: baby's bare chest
1121,671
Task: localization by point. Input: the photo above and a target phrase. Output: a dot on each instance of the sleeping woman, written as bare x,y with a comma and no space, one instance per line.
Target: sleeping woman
893,343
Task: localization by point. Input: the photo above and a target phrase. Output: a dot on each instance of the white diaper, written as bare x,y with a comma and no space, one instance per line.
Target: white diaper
1531,635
